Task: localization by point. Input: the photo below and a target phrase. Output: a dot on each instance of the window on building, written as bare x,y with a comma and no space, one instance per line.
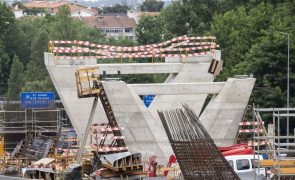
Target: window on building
128,30
243,164
114,30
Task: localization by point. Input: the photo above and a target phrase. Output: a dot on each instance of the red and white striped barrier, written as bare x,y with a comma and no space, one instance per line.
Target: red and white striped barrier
250,130
109,149
87,43
251,123
182,46
109,137
104,129
68,50
253,143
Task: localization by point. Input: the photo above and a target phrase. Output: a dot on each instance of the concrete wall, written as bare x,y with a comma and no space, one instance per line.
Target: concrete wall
78,110
222,115
131,114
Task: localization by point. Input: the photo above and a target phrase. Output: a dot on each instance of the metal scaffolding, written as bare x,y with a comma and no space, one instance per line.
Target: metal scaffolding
36,121
280,147
196,153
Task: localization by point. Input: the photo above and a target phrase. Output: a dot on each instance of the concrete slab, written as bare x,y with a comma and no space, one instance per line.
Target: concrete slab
139,68
178,88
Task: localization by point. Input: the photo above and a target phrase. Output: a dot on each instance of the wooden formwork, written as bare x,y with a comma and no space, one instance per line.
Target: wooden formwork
87,81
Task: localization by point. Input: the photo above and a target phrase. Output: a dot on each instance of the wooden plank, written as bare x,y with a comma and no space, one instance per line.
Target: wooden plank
89,70
218,68
88,78
271,162
286,171
87,91
44,161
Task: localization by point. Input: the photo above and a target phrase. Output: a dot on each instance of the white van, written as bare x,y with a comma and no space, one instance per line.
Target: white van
244,166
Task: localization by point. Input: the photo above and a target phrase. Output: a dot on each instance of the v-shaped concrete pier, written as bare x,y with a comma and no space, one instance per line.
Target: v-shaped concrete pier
188,83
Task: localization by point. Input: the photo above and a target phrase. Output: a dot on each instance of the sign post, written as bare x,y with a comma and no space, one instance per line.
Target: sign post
37,100
147,100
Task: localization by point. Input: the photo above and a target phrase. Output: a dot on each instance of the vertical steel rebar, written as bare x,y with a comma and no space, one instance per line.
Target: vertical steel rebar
196,153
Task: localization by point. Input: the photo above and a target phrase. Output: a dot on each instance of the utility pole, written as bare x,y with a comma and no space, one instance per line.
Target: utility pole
288,83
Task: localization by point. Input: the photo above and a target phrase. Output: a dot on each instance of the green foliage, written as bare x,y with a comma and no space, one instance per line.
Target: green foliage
36,63
43,85
34,11
4,69
187,17
19,4
250,45
15,81
149,30
17,43
118,8
152,5
6,19
62,27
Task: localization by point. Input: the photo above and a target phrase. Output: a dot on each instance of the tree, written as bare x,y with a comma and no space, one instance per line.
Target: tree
6,19
192,17
4,69
35,68
118,8
149,30
17,43
15,81
152,5
250,46
62,26
44,85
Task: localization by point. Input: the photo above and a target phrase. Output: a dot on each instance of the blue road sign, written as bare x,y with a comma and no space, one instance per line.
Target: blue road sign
36,100
147,100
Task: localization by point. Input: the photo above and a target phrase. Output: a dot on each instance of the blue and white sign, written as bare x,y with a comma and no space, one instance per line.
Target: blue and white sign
36,100
147,100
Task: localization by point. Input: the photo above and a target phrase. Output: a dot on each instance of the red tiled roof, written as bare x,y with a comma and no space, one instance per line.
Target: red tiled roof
109,21
74,7
91,11
45,4
148,13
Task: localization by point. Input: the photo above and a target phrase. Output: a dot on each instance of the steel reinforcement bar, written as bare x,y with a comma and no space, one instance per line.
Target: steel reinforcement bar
196,153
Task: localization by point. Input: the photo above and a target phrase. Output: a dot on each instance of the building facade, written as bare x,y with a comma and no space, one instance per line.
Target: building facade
114,26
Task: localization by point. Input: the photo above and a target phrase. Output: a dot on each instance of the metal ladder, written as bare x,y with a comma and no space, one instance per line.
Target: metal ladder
89,86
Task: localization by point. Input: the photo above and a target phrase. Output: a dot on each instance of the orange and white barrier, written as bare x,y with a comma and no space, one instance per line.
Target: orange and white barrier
260,143
251,123
250,130
109,149
182,46
109,137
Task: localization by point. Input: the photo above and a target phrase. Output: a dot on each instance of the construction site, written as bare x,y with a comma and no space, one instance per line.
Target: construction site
187,127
